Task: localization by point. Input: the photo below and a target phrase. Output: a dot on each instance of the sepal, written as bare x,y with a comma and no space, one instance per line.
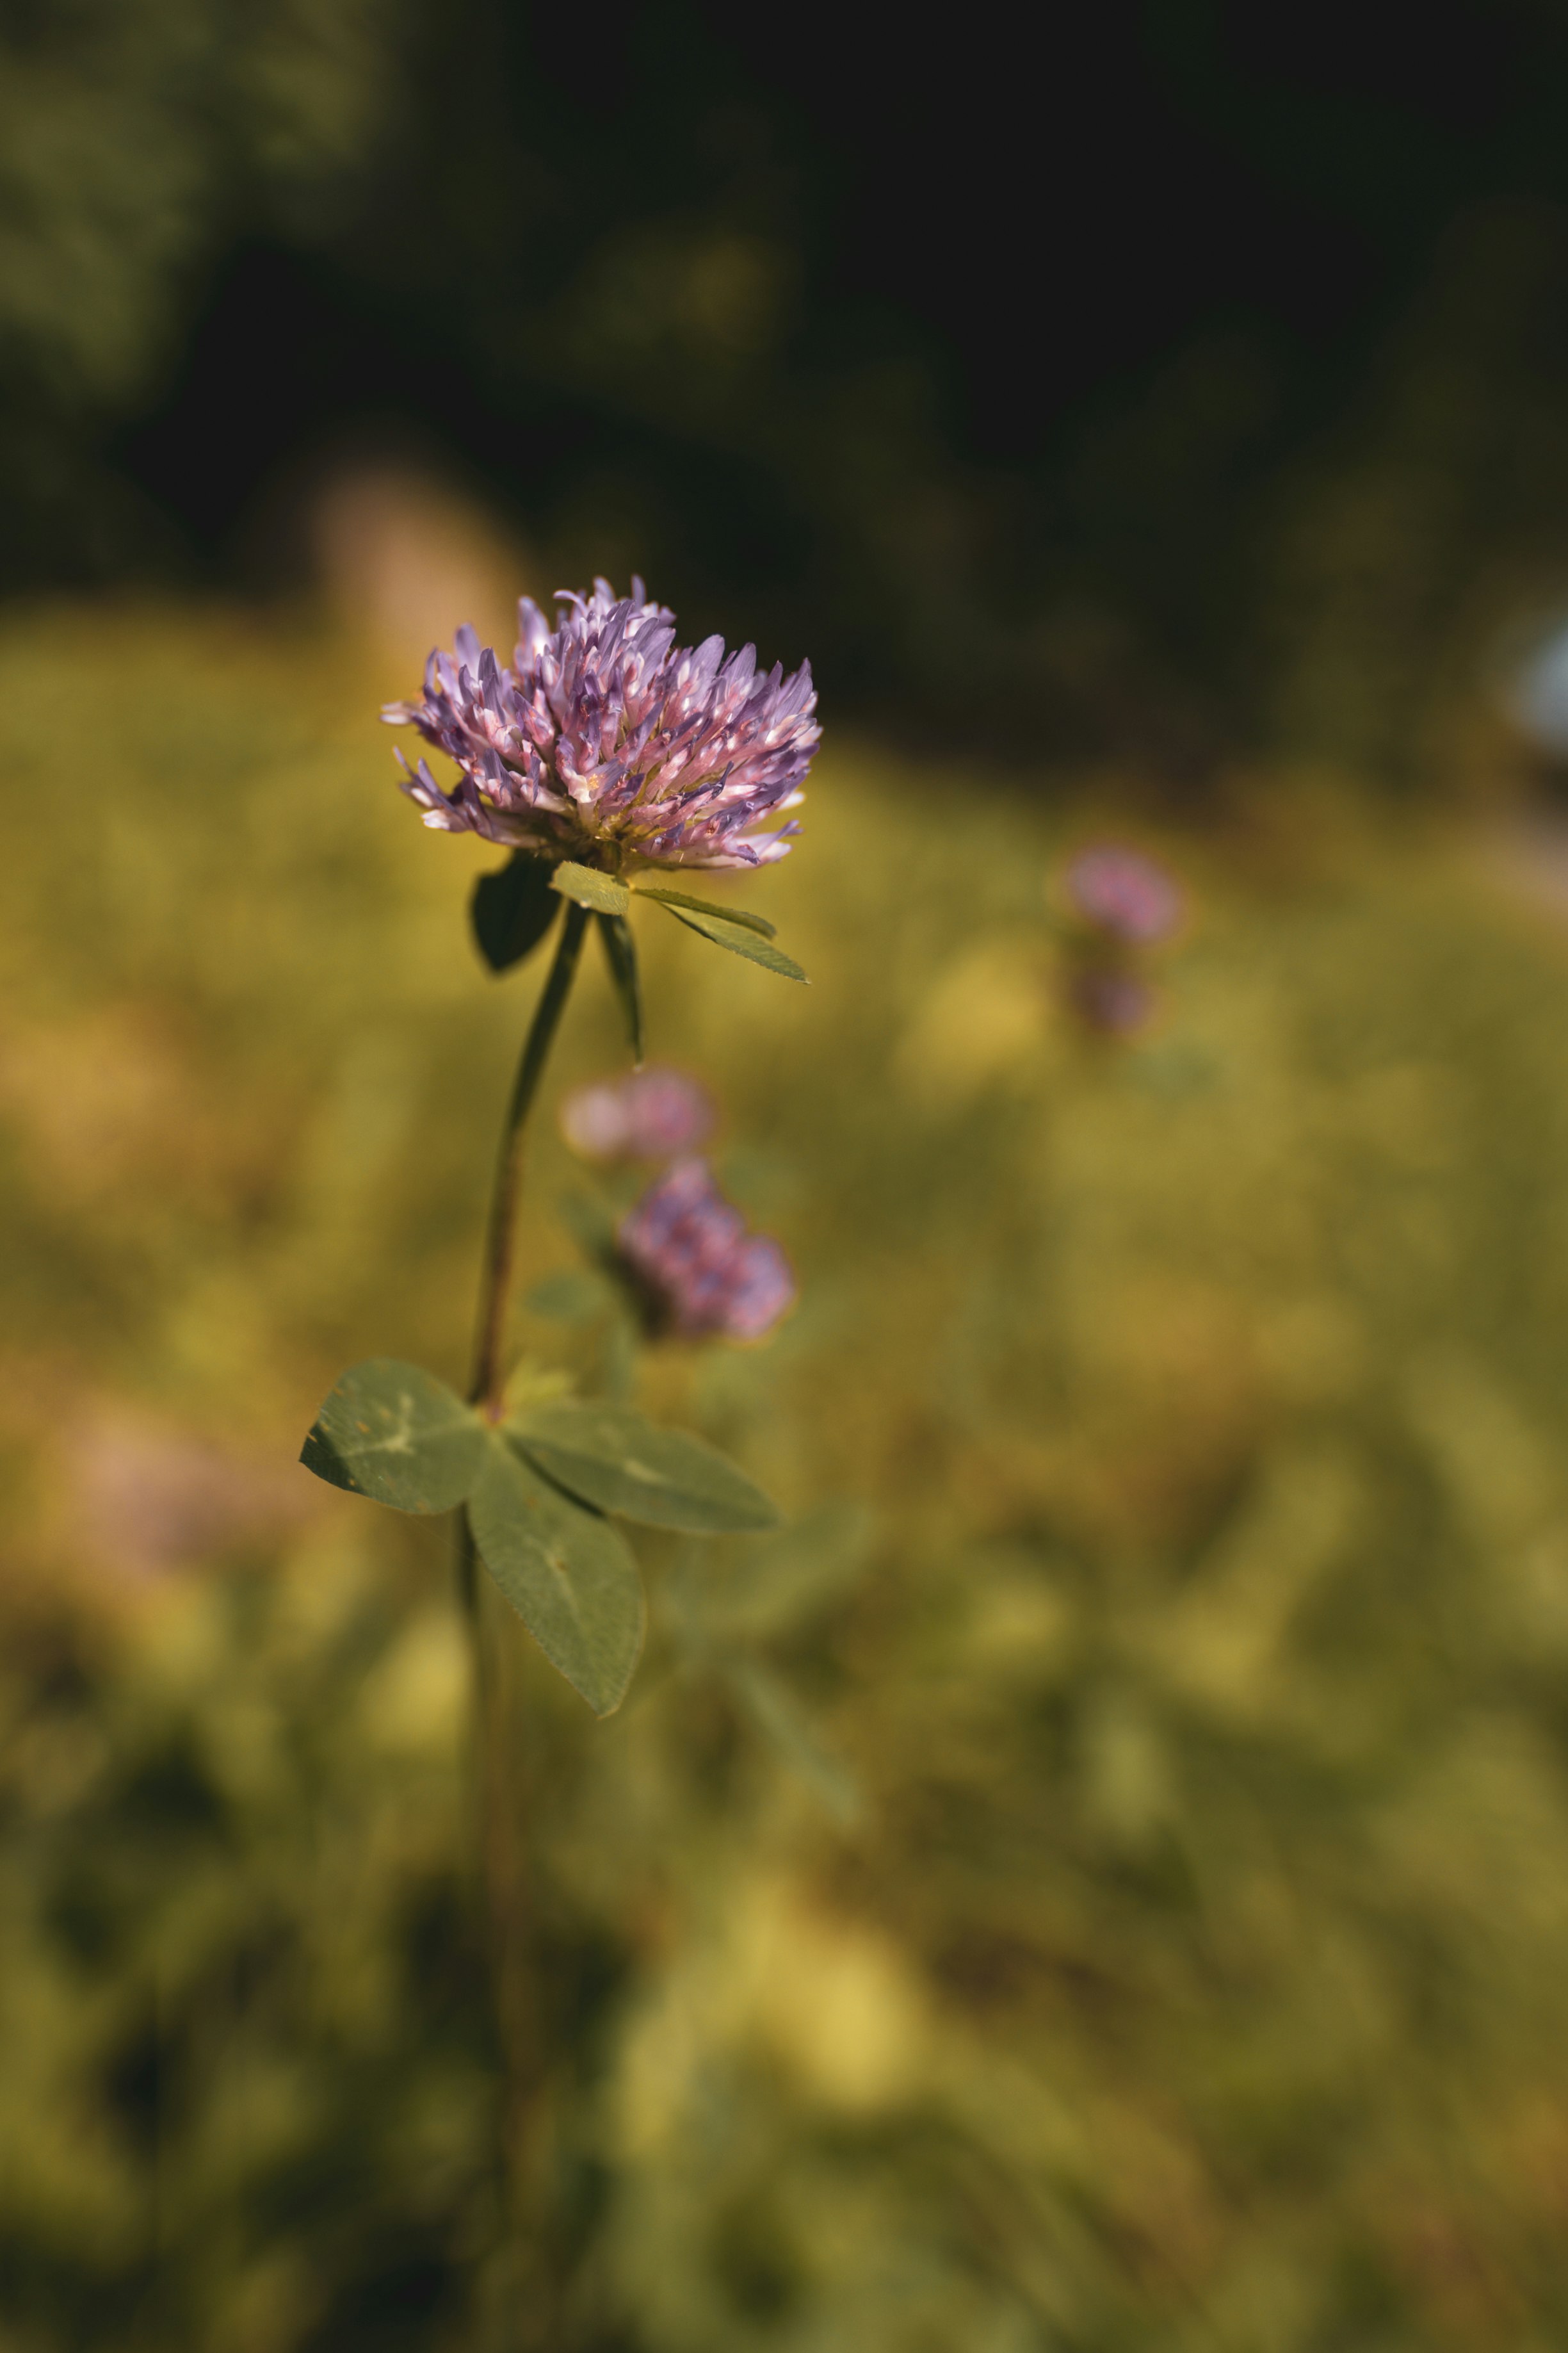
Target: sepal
589,888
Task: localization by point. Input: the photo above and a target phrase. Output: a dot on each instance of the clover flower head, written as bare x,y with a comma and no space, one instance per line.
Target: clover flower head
651,1115
606,743
1123,892
689,1249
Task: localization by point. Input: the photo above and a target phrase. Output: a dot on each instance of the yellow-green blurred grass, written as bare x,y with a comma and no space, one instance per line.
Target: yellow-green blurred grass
1197,1971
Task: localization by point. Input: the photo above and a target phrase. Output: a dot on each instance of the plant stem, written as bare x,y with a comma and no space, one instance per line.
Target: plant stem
495,1281
500,1867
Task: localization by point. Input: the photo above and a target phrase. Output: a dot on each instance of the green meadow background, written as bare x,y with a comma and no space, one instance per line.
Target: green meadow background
1098,1881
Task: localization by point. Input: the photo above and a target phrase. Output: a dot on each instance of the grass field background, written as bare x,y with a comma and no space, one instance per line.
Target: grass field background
1100,1882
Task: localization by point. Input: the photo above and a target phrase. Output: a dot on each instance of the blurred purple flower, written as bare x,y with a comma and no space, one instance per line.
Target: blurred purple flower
147,1498
1123,892
608,743
689,1249
1117,1002
652,1114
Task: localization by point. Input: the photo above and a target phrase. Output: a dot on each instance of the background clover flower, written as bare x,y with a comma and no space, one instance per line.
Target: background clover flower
607,744
652,1114
1123,892
1120,1003
689,1249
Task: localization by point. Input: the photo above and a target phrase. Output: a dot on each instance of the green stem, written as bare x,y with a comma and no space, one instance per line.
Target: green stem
495,1281
497,1868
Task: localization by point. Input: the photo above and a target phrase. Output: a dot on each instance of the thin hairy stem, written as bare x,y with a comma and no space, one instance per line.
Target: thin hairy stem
495,1281
500,1864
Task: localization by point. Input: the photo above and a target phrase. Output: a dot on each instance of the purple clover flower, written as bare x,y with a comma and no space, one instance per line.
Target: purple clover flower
609,743
651,1115
687,1249
1124,892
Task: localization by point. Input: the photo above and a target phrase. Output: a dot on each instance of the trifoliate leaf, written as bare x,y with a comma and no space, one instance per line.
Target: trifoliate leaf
621,955
591,889
567,1572
616,1458
393,1431
513,909
706,907
738,937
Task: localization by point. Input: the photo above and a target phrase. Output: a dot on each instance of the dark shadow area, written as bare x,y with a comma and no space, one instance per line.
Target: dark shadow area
994,368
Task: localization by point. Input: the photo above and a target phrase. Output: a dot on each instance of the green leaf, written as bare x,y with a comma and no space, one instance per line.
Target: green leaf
616,1458
591,889
513,909
567,1572
621,955
706,907
773,1710
739,938
393,1431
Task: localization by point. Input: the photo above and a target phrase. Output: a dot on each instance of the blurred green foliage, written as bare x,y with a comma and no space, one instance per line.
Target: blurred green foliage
133,135
827,338
1163,1939
139,139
